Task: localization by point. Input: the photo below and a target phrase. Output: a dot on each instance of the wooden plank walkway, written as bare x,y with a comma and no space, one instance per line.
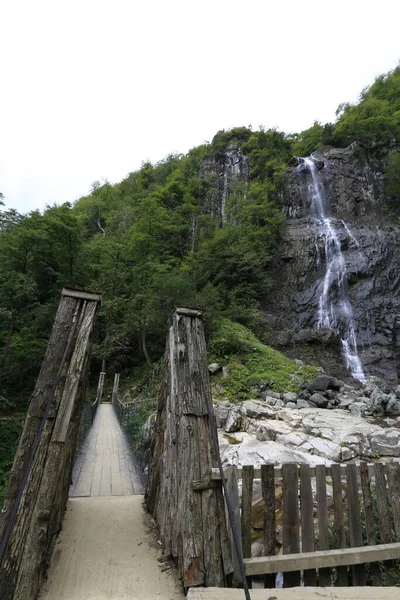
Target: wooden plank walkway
105,466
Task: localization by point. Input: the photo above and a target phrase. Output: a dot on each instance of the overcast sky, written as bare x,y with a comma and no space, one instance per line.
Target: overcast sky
91,88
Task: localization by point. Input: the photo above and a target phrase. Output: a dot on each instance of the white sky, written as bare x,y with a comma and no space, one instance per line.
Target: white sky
91,88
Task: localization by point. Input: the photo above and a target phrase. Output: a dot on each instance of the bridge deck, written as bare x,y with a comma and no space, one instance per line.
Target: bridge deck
105,466
106,550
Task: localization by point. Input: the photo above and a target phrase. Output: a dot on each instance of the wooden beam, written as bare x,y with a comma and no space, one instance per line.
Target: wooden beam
321,559
81,295
205,484
189,312
278,471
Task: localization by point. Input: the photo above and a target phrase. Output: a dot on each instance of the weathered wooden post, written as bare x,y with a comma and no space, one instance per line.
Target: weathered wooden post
38,489
190,516
100,387
99,397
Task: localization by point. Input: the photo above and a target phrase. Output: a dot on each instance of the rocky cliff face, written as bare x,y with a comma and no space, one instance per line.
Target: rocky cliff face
370,243
222,173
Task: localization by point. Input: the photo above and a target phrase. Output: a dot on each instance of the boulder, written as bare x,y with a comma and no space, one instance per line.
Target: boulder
302,403
393,405
289,397
319,384
249,451
319,400
358,409
234,419
347,453
221,411
257,410
291,405
321,447
376,402
214,368
345,402
270,430
386,442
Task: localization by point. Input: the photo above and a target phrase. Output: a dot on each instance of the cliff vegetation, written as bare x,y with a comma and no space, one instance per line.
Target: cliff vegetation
151,242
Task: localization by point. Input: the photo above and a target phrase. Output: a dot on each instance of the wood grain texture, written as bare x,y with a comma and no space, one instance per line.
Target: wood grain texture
307,520
355,527
247,501
61,385
369,520
324,575
291,521
268,494
191,523
321,559
338,520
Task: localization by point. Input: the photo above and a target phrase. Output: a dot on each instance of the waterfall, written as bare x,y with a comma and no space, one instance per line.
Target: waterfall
334,308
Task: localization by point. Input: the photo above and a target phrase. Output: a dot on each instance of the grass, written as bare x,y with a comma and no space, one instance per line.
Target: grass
250,363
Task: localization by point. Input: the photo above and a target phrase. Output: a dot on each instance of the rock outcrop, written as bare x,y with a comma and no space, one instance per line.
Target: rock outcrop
370,241
222,173
263,433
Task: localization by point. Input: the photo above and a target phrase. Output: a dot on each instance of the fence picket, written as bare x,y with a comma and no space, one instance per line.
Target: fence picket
291,534
307,520
268,494
324,575
342,576
247,500
232,485
354,521
369,520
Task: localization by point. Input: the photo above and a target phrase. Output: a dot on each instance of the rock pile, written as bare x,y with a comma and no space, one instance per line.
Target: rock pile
327,419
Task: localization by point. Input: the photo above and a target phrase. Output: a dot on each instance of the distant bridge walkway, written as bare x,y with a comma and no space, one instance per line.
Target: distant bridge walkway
105,466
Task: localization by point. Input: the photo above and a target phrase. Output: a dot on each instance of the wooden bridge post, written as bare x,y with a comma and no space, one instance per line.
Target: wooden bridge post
38,488
100,387
191,521
115,386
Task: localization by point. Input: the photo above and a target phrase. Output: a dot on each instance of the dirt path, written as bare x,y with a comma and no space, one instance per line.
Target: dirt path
106,552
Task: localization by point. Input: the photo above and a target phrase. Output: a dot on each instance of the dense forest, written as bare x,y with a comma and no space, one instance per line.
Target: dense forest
150,242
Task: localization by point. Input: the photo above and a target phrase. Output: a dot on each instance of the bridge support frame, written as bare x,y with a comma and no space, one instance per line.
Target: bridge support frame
37,493
191,518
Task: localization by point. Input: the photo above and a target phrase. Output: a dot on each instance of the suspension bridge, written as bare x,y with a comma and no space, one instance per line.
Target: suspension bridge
74,525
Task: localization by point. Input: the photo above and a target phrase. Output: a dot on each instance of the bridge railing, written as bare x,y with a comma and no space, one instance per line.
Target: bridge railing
132,415
125,411
89,412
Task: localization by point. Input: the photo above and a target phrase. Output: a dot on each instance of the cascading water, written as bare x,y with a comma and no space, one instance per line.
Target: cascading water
334,308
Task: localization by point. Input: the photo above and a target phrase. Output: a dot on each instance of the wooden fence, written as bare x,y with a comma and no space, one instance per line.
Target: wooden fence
337,525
